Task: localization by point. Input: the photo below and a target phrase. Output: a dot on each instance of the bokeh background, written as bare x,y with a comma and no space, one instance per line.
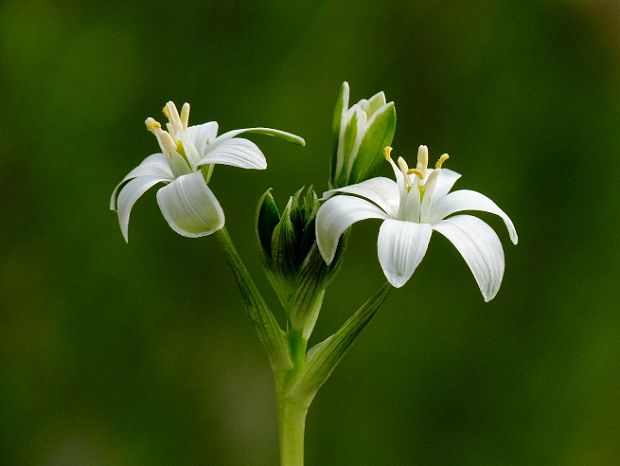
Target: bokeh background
141,354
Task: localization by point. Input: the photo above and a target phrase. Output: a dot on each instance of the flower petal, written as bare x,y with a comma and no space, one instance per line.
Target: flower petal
466,199
381,191
190,207
128,196
444,182
267,131
481,249
402,246
153,165
338,214
200,136
236,152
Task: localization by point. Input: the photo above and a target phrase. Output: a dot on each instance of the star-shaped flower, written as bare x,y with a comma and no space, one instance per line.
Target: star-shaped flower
418,202
185,165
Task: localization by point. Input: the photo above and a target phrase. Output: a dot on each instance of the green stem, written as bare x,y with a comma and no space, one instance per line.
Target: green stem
269,331
291,427
323,358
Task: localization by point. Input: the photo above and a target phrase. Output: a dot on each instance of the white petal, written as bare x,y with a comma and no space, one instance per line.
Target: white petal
236,152
402,246
466,199
128,196
202,135
382,191
481,249
444,182
338,214
267,131
153,165
190,207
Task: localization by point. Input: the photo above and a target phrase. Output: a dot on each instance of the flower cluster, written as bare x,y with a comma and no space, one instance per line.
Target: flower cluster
417,203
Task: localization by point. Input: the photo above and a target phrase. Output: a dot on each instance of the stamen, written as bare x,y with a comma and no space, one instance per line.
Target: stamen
416,171
152,124
387,151
185,115
422,157
165,141
441,160
402,164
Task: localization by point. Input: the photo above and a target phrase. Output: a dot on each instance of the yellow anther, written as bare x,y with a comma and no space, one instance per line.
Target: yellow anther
387,151
165,111
152,124
416,171
441,160
402,164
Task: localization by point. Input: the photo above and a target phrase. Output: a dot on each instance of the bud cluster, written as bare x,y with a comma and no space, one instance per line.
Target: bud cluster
294,265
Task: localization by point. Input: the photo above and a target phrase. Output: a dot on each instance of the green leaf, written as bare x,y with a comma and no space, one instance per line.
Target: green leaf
269,331
324,357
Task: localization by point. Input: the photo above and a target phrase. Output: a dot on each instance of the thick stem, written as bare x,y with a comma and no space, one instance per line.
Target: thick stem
291,427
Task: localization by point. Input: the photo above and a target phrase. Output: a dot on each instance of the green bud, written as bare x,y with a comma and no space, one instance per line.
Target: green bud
360,133
294,266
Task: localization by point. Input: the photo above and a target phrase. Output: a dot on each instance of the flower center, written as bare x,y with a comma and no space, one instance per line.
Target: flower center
170,141
418,175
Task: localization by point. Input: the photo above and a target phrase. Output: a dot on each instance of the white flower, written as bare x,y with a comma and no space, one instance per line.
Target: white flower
185,165
418,203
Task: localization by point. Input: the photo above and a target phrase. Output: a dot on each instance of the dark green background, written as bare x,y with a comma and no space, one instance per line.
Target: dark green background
141,354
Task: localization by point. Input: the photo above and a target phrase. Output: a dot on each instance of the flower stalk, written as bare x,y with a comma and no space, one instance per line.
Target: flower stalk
298,372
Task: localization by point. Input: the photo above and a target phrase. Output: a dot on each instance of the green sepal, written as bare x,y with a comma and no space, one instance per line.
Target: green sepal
348,146
283,246
342,104
379,134
267,217
375,103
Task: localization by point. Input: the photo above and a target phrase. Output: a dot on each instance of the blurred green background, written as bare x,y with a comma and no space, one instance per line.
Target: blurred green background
141,354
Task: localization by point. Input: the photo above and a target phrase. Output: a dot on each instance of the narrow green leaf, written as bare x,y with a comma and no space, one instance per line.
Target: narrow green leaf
269,331
324,357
